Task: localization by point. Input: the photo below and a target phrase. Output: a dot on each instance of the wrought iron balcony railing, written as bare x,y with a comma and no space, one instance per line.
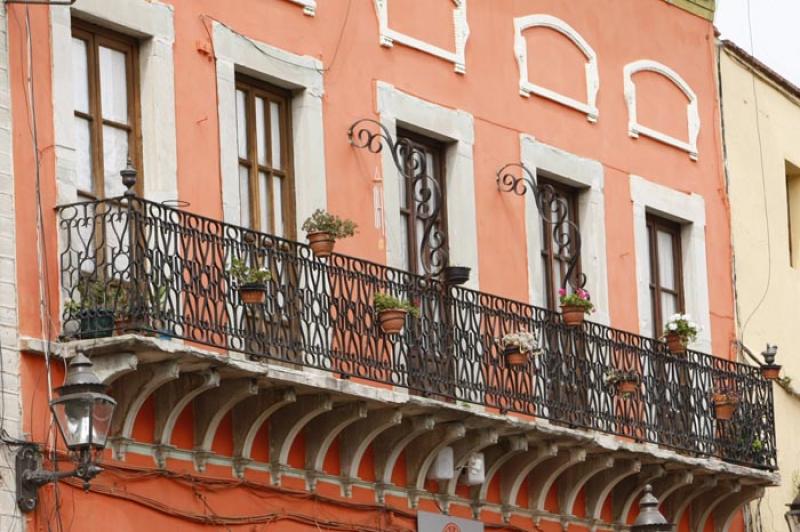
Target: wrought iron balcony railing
128,264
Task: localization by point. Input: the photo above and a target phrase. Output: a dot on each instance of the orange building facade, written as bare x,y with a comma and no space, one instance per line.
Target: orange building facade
299,412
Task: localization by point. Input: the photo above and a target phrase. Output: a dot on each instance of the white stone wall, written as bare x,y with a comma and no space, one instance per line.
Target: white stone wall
10,405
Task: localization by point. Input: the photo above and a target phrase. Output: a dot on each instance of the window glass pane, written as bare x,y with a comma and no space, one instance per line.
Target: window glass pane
666,261
669,305
241,123
113,85
277,198
261,131
275,133
83,154
404,243
265,213
80,76
115,158
244,196
401,183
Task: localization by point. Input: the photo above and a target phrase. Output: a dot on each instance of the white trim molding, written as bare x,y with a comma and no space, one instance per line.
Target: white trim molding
303,76
152,24
526,87
587,176
309,6
693,115
388,36
689,210
455,128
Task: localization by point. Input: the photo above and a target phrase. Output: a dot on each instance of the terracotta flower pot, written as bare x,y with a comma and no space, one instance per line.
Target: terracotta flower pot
724,407
628,387
515,357
675,343
771,372
321,243
392,320
572,315
253,293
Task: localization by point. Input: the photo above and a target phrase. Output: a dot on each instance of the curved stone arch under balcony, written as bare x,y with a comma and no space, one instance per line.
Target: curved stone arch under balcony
389,36
527,87
693,116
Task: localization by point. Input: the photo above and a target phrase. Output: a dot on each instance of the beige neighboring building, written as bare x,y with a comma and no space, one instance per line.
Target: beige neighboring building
764,188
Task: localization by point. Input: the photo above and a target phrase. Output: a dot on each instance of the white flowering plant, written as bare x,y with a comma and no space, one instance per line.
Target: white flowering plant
615,376
683,326
525,341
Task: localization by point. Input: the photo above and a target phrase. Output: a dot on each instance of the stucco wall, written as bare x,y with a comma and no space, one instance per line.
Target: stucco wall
767,286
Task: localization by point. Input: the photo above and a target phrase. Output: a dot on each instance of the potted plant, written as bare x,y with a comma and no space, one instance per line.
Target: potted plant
518,347
725,404
456,275
160,313
626,382
575,306
251,282
323,229
679,331
392,312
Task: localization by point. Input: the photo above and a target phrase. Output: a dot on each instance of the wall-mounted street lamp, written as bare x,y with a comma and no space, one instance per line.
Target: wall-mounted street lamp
793,515
83,414
649,518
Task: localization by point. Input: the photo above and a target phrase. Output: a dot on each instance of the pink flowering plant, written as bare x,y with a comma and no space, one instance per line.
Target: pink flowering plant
579,298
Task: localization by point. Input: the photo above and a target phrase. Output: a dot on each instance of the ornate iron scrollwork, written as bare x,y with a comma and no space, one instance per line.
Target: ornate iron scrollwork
553,210
412,165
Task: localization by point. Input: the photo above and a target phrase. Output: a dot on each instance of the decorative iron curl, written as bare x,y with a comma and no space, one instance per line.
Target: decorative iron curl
412,165
553,210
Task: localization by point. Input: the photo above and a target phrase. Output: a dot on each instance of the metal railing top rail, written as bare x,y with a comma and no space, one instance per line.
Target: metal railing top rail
132,264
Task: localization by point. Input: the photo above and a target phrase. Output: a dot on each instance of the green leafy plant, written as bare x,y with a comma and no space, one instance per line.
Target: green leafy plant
757,445
245,274
683,326
99,294
386,302
325,222
579,298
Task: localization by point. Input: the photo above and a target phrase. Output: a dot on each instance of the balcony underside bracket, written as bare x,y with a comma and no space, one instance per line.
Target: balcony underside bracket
355,442
326,429
674,506
576,477
600,487
547,474
110,367
729,508
248,418
130,392
516,470
710,500
674,481
170,400
475,441
495,457
629,491
211,407
391,443
422,451
286,424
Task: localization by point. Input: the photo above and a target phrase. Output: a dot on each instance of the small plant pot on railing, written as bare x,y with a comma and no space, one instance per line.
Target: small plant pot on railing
321,243
675,344
253,293
575,306
456,275
679,331
572,315
518,348
515,357
771,372
724,406
392,320
628,387
624,383
95,323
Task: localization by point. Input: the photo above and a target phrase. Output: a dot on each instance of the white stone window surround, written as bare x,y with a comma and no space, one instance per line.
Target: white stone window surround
688,210
388,36
302,75
527,87
456,128
309,6
693,116
152,24
588,177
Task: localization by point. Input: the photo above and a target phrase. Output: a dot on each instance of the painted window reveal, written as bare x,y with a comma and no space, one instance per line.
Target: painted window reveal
106,109
693,117
793,212
412,226
528,87
388,36
666,275
265,175
555,264
309,6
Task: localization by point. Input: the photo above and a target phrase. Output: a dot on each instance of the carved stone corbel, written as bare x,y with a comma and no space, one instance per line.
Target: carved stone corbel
516,470
728,508
674,506
631,489
494,458
324,432
422,451
390,444
572,480
665,487
548,473
286,424
109,368
600,486
355,442
710,500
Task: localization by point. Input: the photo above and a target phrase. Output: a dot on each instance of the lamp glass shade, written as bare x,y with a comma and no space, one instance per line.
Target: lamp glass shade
84,419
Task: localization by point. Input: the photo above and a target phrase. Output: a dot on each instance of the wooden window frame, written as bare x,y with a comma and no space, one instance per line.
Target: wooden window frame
256,88
548,253
654,225
439,173
96,36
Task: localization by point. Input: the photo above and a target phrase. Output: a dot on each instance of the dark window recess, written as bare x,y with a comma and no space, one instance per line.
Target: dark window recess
555,262
666,275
